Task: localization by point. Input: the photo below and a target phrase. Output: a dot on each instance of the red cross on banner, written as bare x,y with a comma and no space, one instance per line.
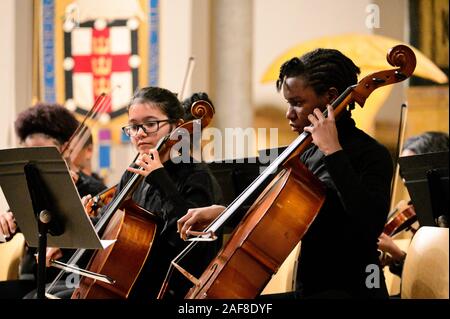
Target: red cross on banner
101,57
101,63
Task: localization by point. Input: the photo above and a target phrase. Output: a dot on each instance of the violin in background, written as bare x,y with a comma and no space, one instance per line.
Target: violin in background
400,218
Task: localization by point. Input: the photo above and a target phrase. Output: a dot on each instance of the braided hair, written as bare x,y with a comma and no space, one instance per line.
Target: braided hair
321,69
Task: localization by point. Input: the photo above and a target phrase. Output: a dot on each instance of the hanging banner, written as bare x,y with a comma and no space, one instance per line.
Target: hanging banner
87,48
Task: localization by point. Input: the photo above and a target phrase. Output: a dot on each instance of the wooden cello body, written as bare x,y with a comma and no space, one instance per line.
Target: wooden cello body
134,230
281,215
293,198
403,218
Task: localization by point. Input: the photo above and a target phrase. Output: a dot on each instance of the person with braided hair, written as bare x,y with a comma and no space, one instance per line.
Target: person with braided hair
339,257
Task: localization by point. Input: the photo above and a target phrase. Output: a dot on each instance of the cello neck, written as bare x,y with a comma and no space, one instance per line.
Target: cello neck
292,151
126,192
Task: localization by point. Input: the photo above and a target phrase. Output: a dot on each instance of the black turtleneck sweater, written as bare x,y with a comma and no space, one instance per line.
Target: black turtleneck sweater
340,248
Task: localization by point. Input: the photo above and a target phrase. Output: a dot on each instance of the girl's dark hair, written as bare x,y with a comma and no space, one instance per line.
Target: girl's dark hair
321,69
53,120
166,101
428,142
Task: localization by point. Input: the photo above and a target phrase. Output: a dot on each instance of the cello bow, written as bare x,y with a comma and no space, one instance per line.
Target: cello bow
253,253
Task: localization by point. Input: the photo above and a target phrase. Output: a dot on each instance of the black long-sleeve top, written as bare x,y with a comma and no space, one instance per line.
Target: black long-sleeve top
341,244
169,192
89,184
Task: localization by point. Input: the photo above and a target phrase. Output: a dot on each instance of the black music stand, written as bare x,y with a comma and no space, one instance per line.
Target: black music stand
40,191
426,178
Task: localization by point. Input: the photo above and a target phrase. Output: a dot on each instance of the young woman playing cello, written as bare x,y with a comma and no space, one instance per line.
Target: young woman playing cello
169,189
340,246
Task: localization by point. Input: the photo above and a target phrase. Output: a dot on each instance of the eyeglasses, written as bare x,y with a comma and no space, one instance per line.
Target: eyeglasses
148,127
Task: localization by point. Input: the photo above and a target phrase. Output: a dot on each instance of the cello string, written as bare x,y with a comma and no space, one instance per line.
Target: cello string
122,195
127,189
99,225
112,208
396,57
169,273
302,138
299,140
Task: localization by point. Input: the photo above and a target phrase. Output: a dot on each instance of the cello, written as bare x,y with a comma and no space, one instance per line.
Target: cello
402,217
128,225
284,210
103,198
132,227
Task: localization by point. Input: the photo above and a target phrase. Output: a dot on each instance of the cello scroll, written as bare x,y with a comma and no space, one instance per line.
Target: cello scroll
253,252
399,56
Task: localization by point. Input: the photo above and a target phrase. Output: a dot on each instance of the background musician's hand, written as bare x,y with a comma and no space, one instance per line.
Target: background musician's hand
86,199
7,224
52,253
386,244
324,131
197,219
149,162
